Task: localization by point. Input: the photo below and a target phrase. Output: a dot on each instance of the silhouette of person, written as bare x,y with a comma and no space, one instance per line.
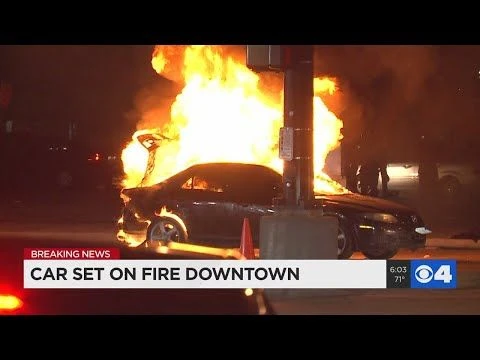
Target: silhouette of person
427,169
368,177
427,177
385,178
350,159
368,173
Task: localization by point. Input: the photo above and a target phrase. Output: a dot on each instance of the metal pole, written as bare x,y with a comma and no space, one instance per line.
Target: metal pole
298,114
289,166
305,173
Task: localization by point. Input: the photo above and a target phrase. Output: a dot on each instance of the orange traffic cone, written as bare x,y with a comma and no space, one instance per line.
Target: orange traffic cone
246,243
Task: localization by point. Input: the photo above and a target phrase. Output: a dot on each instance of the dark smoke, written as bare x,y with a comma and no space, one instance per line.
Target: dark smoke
389,90
386,81
153,103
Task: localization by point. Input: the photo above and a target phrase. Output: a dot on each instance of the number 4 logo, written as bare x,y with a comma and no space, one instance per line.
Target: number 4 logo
443,274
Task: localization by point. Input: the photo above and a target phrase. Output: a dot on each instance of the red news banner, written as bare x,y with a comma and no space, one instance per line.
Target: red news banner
71,254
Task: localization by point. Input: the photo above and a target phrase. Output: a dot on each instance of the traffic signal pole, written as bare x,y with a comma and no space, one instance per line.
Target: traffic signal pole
298,117
298,229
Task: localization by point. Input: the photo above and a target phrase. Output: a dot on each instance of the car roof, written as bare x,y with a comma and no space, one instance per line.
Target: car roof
228,163
212,166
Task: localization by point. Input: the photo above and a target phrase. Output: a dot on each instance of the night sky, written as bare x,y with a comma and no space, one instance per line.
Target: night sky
91,86
432,90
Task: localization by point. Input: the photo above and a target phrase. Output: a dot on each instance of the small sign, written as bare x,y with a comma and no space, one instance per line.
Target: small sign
258,57
286,143
8,126
265,57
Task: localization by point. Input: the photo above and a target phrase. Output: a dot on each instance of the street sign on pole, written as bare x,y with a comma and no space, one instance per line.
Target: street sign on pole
286,144
265,57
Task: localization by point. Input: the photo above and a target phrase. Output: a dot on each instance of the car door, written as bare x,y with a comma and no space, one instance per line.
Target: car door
209,206
254,199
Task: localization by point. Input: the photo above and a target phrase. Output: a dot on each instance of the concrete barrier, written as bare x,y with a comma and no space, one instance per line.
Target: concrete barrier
298,234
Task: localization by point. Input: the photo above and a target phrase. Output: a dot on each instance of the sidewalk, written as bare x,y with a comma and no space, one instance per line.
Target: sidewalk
452,243
385,302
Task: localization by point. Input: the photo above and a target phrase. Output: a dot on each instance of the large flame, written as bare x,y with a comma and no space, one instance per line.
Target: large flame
225,113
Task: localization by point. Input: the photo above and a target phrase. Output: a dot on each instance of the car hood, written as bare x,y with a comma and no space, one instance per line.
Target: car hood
363,203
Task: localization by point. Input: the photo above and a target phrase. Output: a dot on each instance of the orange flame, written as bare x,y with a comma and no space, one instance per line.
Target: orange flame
158,61
225,113
169,214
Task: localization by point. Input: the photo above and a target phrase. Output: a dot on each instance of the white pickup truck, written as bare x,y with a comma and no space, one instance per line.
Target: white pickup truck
452,177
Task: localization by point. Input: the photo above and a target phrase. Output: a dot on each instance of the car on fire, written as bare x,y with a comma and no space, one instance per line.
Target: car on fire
207,203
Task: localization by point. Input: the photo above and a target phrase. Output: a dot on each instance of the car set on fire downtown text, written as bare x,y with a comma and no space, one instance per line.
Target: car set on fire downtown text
207,203
16,300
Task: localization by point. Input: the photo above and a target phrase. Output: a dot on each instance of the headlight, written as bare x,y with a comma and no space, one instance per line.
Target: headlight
379,217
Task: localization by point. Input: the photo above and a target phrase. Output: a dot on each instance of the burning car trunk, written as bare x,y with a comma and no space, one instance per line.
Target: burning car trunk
151,141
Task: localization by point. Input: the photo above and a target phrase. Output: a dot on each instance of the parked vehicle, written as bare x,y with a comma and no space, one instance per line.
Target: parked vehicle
449,180
30,162
207,203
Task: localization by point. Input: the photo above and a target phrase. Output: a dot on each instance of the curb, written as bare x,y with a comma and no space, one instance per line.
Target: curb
452,243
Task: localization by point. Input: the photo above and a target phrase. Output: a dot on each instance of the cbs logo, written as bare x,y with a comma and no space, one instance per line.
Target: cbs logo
424,274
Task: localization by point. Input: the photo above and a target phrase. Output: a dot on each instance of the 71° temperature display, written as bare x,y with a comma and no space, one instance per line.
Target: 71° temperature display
398,274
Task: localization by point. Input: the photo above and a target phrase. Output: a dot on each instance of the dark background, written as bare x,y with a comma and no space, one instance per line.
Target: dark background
401,92
91,86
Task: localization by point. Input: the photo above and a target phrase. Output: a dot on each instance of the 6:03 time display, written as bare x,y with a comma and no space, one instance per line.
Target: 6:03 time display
398,269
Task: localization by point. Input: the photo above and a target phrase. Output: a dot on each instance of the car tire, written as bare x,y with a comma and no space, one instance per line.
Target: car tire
345,241
380,255
166,229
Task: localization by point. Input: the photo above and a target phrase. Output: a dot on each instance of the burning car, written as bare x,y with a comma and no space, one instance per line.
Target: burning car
220,163
207,203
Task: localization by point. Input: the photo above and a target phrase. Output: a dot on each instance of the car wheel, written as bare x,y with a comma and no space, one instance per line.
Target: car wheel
380,254
165,229
345,244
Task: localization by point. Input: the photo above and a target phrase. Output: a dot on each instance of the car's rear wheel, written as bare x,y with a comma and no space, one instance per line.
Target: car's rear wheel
345,243
165,229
